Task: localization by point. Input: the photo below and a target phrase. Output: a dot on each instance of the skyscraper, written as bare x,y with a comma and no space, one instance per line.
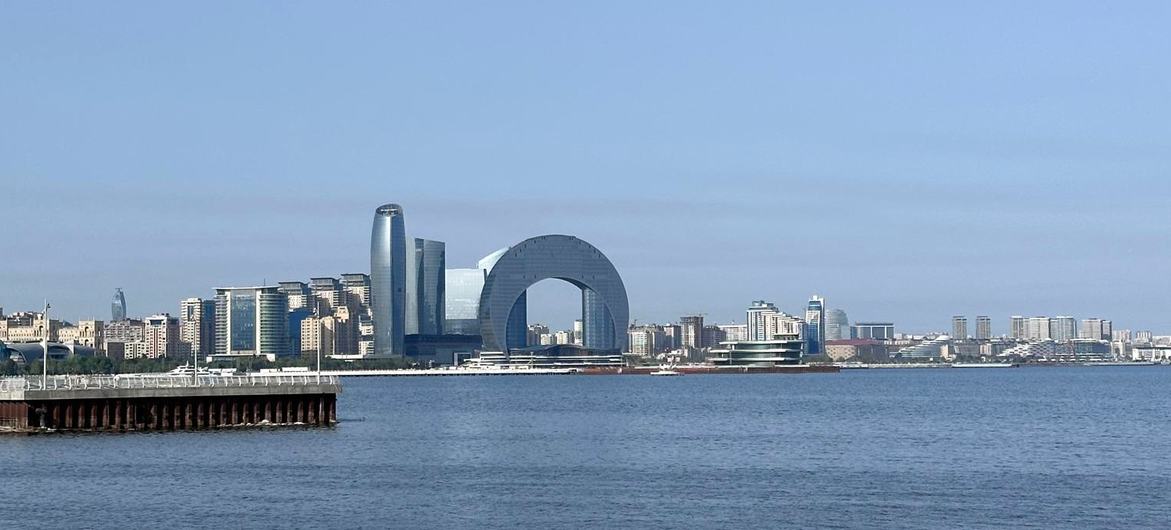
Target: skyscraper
837,325
425,294
1096,329
1038,328
118,306
388,280
691,328
959,327
815,325
1062,328
983,328
597,323
1018,327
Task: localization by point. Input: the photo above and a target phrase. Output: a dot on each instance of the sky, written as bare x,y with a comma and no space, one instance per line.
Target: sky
908,161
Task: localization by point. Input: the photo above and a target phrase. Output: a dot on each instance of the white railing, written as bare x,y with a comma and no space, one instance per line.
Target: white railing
135,381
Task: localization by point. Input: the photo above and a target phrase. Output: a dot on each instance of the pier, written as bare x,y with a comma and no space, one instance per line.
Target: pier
119,403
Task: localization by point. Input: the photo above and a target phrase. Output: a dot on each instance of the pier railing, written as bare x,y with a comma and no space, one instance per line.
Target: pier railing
135,381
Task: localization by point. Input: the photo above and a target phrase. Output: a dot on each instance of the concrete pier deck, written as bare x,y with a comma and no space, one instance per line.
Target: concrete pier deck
139,402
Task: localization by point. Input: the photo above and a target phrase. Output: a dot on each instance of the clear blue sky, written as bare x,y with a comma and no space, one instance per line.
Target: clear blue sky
907,160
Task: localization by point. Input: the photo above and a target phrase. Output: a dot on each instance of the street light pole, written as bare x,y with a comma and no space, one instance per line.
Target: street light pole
45,345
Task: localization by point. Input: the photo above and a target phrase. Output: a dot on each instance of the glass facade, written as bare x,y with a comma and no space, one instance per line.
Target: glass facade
242,308
252,321
426,264
815,325
388,280
562,257
118,306
837,325
597,322
462,300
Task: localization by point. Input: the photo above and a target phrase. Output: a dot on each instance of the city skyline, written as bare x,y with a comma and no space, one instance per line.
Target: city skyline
928,183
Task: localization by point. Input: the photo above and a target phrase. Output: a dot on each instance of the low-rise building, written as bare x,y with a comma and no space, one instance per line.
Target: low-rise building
781,350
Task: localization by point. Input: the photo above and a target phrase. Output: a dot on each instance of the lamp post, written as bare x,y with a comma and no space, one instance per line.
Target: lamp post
45,345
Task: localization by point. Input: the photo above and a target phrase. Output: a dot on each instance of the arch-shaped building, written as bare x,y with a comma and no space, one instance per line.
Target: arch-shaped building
605,309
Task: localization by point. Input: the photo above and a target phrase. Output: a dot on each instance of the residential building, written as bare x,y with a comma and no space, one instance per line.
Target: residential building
691,331
160,336
1038,328
758,313
298,295
1096,329
713,336
1062,328
735,332
983,328
959,327
357,287
197,326
326,295
1018,327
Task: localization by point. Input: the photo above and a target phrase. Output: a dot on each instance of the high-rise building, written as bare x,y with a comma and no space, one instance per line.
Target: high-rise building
357,286
326,295
1096,329
1038,328
118,306
815,325
388,280
837,325
161,335
758,314
1062,328
673,336
298,295
597,323
713,335
578,331
251,321
983,328
425,289
691,328
462,301
1018,327
959,327
735,332
197,326
873,330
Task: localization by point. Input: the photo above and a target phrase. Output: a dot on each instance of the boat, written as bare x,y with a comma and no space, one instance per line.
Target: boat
188,370
984,365
666,372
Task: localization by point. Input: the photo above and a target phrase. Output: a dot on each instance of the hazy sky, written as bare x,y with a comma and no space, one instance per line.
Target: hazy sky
907,160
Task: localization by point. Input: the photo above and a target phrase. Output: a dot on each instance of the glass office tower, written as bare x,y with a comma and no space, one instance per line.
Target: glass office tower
251,321
426,267
597,323
815,325
118,306
388,279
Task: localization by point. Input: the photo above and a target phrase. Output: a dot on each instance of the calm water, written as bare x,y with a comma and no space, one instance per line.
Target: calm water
1030,447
